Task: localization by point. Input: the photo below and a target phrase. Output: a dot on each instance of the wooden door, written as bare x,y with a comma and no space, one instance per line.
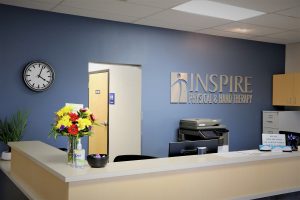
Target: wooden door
98,103
283,89
297,89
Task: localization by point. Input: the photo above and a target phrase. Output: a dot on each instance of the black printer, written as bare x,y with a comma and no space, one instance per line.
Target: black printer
204,129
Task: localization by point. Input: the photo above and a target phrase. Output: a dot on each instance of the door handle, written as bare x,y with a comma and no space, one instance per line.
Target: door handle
104,123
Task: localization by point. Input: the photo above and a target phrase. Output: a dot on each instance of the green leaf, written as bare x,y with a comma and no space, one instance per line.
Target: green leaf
11,129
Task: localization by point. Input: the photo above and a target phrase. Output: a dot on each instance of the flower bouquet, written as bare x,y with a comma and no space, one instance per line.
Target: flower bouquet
73,125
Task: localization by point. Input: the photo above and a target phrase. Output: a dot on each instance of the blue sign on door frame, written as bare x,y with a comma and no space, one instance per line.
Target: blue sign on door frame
111,98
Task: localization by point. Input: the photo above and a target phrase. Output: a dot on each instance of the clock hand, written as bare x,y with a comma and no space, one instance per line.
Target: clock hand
43,78
39,75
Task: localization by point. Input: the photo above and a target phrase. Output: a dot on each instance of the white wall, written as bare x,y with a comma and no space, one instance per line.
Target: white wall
292,62
292,58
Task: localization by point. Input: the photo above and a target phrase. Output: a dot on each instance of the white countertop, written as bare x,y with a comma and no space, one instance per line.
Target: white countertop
55,161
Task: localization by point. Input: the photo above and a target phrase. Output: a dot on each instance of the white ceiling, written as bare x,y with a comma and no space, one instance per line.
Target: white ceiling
280,24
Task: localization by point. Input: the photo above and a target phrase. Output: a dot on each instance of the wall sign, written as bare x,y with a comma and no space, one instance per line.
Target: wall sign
273,139
111,98
194,88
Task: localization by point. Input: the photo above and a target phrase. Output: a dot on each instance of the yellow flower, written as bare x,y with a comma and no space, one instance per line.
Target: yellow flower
65,110
64,121
83,122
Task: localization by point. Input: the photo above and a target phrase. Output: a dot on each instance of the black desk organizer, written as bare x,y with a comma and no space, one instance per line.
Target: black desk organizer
292,139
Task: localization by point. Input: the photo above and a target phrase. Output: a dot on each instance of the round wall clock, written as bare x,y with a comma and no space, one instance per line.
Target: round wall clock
38,76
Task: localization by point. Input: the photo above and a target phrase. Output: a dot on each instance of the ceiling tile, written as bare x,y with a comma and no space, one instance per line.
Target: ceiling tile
270,40
113,6
291,36
276,21
224,33
198,21
48,1
93,14
34,1
159,3
40,5
252,29
280,26
262,5
160,23
293,12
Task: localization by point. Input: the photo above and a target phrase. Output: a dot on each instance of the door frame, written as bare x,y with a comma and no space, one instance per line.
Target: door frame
107,127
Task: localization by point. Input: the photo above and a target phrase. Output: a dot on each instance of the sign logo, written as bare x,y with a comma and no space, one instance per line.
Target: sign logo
179,84
196,88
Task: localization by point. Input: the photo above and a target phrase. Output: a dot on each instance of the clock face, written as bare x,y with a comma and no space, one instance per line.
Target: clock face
38,76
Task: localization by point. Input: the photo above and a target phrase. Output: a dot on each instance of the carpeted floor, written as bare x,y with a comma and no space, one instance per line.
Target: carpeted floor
8,190
289,196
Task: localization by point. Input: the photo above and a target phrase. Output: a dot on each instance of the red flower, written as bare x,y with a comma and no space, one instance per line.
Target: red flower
73,129
73,117
92,117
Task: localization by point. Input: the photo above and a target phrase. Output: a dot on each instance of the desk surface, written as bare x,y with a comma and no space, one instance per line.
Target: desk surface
54,161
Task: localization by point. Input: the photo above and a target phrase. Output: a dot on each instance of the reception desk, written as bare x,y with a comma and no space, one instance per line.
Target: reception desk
41,172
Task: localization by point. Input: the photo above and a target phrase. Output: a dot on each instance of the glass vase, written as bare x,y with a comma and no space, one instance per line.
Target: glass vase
72,145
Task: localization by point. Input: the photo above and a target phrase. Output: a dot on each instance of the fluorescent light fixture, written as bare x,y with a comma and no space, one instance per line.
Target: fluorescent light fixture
218,10
241,30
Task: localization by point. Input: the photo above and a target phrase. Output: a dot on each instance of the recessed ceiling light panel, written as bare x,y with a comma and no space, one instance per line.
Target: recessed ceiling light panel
218,10
241,30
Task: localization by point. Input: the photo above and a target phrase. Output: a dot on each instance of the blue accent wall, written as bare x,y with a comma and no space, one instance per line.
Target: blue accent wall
68,43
